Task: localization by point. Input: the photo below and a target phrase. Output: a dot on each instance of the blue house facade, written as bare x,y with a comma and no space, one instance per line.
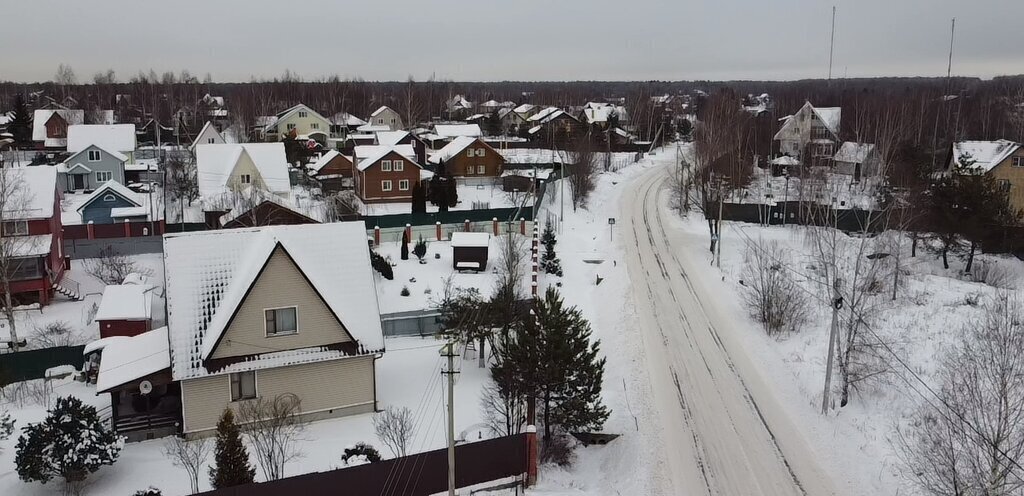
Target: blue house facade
112,202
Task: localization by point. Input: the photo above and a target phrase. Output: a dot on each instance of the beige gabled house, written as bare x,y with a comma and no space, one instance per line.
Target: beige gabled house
386,116
258,313
298,121
811,135
1001,159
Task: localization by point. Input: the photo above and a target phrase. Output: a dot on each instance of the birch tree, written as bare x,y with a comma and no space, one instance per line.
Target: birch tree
14,200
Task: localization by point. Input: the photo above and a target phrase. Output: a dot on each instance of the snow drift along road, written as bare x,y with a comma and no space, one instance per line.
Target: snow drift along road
723,430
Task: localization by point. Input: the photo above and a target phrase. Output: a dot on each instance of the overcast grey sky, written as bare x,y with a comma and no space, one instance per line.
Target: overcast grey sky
488,40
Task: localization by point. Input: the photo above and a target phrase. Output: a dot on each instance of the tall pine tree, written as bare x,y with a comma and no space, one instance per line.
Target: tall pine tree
21,124
231,459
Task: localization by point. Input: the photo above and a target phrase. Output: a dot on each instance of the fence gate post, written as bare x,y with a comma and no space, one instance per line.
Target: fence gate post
494,224
437,228
408,232
127,228
531,455
522,226
376,235
90,230
466,226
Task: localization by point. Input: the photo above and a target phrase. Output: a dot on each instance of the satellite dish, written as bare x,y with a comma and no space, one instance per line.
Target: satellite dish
145,387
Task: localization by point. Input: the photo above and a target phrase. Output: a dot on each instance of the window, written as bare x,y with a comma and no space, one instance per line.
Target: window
1018,161
291,126
480,152
481,169
245,178
94,155
16,228
109,197
385,185
399,165
302,114
469,152
281,321
469,170
314,125
403,185
392,122
380,121
104,176
385,165
1004,185
23,269
243,385
210,140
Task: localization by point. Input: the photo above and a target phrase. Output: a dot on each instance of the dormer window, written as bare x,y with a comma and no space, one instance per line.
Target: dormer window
281,321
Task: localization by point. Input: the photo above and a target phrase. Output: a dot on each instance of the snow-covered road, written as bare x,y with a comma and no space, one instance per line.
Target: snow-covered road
722,430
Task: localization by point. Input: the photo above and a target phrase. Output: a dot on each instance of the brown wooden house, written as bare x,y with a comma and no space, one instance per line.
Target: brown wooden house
469,157
386,173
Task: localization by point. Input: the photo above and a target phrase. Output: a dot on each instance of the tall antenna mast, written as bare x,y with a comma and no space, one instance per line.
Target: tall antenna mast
949,68
832,44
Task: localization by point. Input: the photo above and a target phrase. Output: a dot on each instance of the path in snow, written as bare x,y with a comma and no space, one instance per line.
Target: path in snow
722,429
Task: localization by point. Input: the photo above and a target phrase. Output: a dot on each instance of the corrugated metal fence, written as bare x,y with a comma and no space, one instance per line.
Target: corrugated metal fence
32,364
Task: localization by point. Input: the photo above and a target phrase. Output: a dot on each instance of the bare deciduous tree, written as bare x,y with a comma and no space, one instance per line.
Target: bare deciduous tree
189,454
14,199
969,441
395,428
582,172
340,206
775,299
504,410
273,428
112,267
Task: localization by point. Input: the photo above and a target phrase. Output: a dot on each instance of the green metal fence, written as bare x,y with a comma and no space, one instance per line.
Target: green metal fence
451,217
32,364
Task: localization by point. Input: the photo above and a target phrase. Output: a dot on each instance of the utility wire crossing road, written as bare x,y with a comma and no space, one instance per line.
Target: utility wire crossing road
722,431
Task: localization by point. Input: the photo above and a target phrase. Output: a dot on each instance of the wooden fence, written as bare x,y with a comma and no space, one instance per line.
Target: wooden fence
421,474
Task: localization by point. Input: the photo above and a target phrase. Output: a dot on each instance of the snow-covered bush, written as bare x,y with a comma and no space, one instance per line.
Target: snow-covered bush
405,291
381,265
150,491
774,298
71,443
6,426
56,333
359,454
998,274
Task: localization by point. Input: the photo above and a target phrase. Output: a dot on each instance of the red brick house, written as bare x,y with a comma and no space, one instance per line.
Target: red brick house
387,173
125,310
468,157
33,234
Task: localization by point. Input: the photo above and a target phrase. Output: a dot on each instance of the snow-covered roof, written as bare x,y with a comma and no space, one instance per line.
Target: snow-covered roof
524,108
101,343
454,148
785,160
379,110
126,302
985,154
254,198
373,128
122,212
366,155
111,187
31,192
470,239
39,118
214,164
456,130
541,174
35,245
110,137
324,160
390,138
852,152
830,116
546,114
131,359
209,273
347,119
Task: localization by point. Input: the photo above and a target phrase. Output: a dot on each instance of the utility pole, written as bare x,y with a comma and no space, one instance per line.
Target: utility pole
831,45
448,351
837,304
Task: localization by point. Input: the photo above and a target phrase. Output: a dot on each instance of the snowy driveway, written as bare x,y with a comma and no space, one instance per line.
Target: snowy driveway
722,431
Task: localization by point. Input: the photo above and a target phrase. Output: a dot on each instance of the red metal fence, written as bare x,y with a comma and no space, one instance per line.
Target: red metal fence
414,475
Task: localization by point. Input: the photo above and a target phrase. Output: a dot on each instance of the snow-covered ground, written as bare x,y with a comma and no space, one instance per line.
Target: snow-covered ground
471,197
409,374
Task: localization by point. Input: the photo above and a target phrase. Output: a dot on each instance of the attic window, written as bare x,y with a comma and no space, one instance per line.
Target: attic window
302,114
399,166
210,140
469,152
385,165
109,197
281,321
245,179
1018,161
94,155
